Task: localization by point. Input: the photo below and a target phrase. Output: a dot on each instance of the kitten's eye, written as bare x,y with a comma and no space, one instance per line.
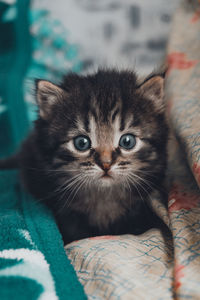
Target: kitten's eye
127,141
82,143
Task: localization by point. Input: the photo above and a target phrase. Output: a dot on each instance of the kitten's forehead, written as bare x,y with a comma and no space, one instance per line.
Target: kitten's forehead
108,133
104,107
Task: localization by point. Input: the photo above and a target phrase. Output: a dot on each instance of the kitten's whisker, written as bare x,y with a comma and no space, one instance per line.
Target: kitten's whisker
70,180
155,186
68,188
60,170
64,193
129,187
148,194
141,184
147,172
135,185
67,183
84,181
81,183
152,184
149,175
145,181
75,179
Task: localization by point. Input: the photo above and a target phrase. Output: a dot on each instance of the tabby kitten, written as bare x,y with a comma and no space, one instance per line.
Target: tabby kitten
97,152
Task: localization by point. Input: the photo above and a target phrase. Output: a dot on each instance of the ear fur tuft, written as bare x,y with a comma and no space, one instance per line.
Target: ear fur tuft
47,95
153,88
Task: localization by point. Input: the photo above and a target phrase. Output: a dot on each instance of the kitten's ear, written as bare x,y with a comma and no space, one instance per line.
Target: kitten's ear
153,88
47,95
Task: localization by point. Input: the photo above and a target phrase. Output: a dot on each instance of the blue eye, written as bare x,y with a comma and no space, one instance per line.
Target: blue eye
82,143
127,141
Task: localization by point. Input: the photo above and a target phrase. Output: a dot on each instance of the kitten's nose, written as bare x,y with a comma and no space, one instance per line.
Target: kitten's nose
106,159
106,166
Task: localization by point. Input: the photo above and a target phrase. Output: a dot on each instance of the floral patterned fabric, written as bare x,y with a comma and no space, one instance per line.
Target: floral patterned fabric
151,266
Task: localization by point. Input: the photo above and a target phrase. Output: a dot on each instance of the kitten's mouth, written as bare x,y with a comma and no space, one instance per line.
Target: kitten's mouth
106,180
106,176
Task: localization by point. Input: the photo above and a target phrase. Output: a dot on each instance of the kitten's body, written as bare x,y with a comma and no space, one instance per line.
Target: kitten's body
105,189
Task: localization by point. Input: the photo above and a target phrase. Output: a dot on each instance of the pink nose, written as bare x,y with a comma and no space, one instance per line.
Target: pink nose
106,166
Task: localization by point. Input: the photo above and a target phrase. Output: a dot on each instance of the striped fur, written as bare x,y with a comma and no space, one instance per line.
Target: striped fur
88,197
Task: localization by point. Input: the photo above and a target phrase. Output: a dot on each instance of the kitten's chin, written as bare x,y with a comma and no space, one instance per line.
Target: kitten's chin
106,181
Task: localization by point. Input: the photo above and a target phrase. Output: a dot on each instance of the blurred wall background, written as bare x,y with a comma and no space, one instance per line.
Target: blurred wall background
123,33
82,35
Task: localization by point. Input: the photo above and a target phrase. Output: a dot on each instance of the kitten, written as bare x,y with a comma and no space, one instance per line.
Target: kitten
97,152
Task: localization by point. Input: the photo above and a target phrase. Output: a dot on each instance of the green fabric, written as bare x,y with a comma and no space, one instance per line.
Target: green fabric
15,53
33,262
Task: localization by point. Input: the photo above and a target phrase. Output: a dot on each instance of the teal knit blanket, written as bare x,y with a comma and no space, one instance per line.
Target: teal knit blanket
33,264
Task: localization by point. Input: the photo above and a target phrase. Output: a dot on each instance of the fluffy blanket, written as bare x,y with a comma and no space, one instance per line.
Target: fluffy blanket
33,263
151,266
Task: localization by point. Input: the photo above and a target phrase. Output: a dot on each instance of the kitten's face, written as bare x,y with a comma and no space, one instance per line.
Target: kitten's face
106,154
108,132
